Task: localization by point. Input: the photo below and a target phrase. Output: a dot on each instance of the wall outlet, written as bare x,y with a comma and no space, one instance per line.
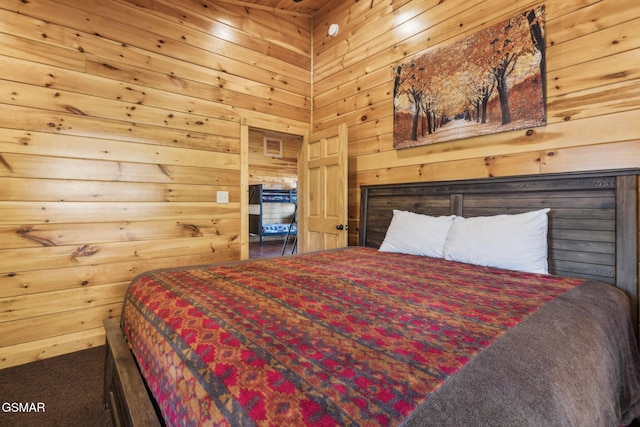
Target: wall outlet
222,197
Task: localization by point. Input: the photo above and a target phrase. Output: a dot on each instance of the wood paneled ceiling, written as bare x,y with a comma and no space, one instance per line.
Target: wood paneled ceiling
304,7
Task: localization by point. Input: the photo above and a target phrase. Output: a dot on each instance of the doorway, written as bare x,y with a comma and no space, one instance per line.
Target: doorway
270,152
273,193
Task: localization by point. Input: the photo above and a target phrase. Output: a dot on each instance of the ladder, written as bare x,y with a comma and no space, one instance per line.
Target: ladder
293,235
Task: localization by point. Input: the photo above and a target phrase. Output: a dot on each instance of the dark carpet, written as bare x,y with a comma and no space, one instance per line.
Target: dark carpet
68,388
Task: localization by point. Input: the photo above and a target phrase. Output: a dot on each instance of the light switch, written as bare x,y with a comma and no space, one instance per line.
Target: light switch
222,197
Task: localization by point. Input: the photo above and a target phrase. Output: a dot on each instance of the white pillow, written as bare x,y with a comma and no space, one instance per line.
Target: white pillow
416,234
514,242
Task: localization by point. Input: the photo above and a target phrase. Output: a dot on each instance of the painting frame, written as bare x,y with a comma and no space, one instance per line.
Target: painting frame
491,81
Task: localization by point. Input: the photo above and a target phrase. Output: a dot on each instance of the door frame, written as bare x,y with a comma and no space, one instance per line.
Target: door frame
273,124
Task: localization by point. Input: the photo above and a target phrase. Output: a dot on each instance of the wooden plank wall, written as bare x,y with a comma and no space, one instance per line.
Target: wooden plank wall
119,122
593,75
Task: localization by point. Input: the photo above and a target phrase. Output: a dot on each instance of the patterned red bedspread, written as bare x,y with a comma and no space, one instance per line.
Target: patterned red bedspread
347,337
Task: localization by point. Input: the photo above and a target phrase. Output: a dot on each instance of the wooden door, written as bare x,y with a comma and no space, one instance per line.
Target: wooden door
322,204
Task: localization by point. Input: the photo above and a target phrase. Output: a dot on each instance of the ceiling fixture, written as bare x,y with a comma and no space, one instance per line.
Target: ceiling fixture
333,30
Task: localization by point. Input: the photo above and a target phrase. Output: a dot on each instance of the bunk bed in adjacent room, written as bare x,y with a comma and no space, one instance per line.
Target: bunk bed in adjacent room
260,223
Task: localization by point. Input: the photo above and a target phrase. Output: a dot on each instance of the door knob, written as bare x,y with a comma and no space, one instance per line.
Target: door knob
339,227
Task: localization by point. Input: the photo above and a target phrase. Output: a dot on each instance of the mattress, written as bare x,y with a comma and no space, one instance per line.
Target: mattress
279,229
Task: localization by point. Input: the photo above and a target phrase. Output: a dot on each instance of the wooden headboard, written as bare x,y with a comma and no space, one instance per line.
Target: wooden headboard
593,221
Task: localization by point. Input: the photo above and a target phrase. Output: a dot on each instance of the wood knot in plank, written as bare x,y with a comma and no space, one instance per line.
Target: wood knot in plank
193,229
165,170
619,75
6,164
26,233
84,251
74,110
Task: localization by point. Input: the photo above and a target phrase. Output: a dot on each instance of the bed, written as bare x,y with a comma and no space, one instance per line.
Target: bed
259,197
369,335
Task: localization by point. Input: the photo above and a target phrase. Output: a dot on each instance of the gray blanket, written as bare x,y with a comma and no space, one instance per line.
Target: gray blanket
573,363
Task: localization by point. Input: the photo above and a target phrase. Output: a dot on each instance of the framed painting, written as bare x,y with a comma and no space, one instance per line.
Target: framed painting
491,81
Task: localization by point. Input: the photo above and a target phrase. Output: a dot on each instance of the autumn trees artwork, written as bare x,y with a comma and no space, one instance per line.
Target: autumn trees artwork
492,81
